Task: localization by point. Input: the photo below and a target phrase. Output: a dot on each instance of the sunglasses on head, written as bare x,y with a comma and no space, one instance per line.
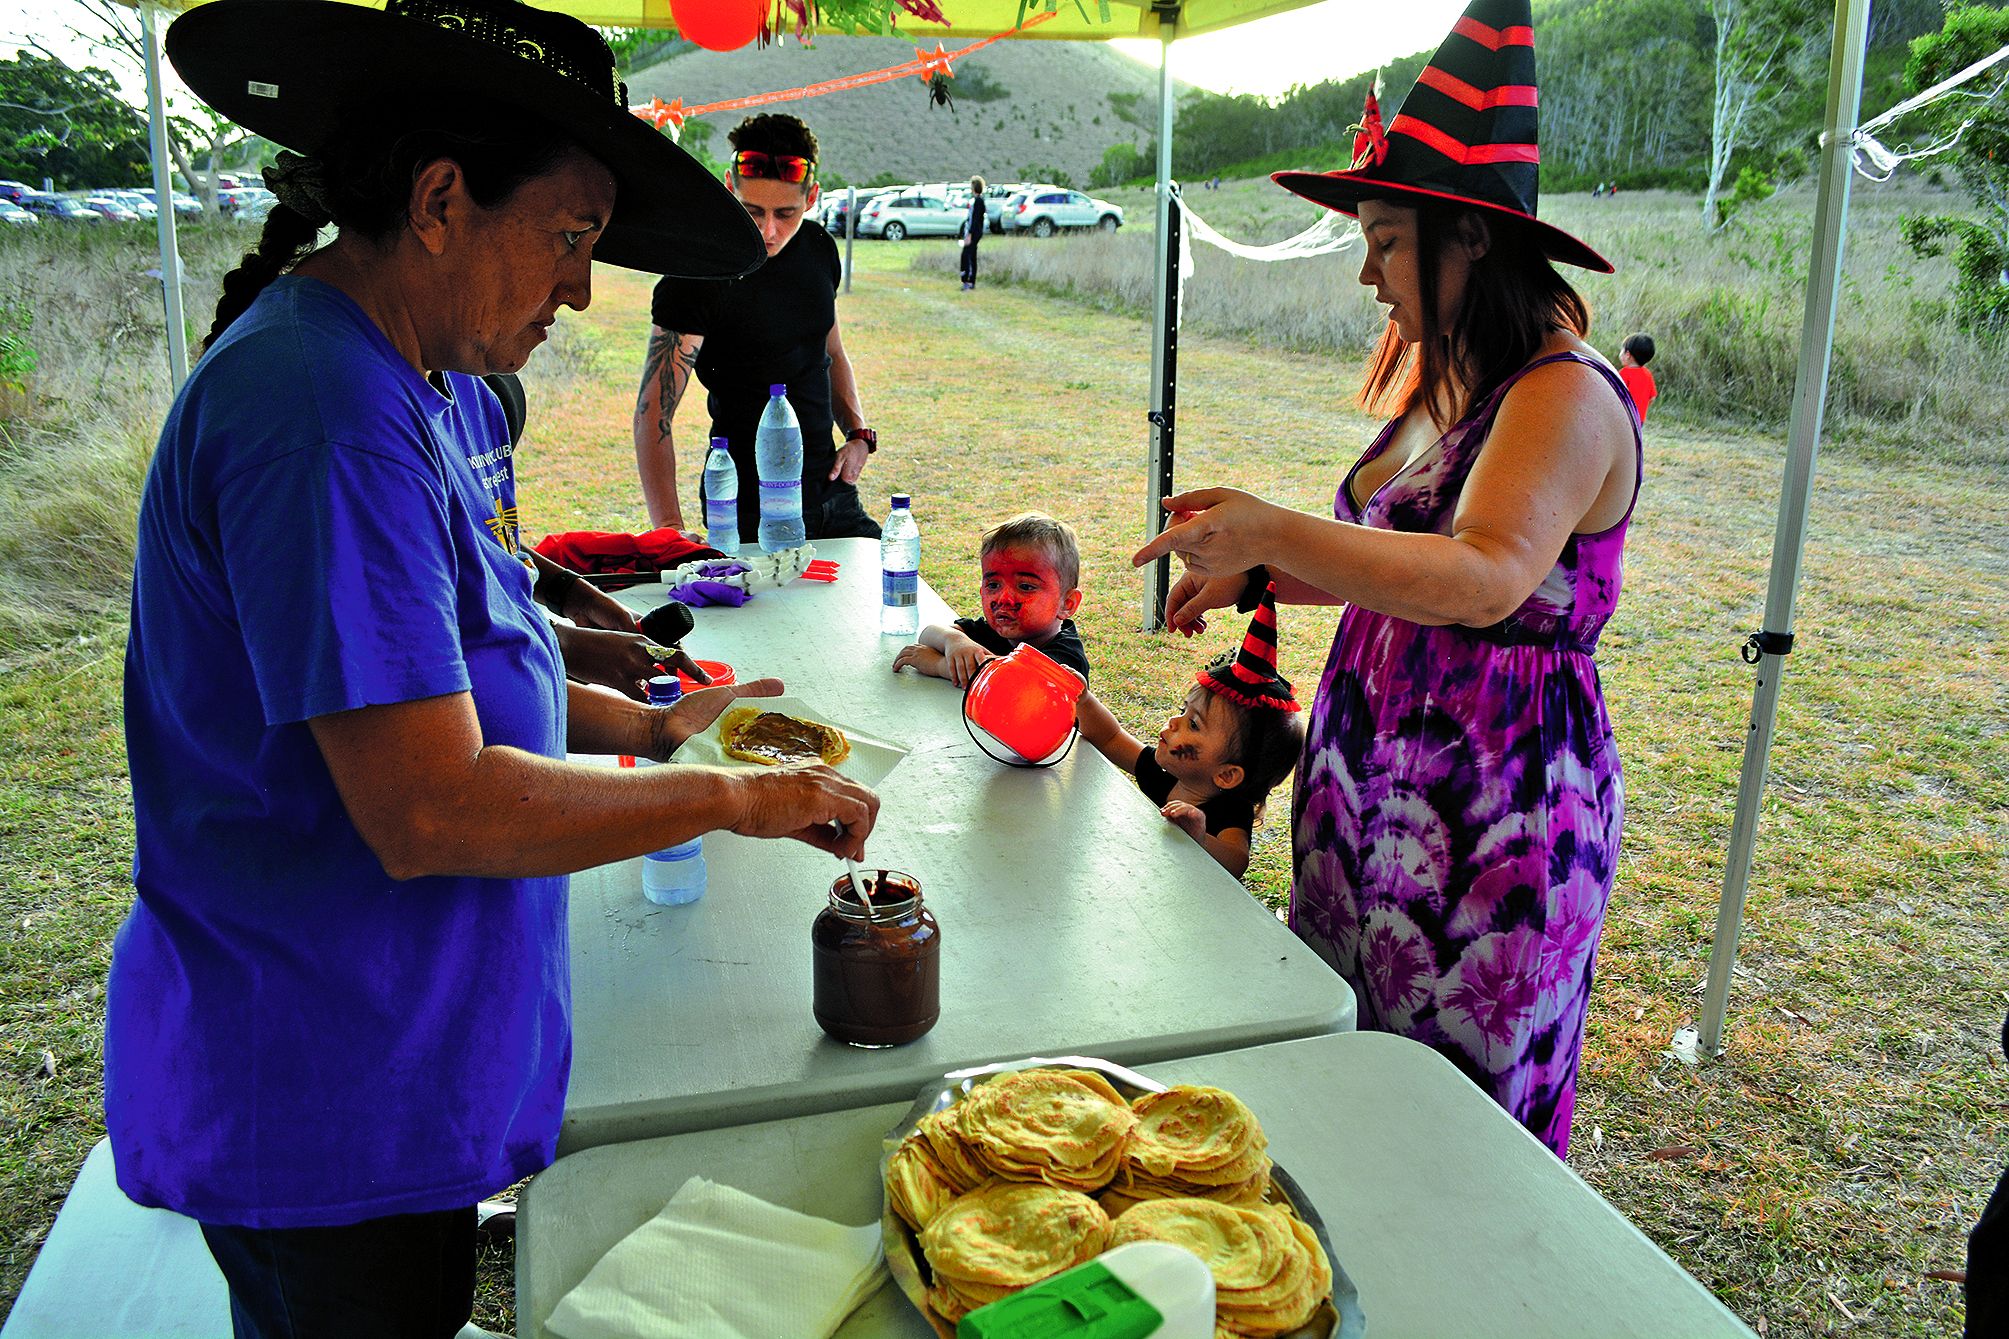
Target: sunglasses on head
774,166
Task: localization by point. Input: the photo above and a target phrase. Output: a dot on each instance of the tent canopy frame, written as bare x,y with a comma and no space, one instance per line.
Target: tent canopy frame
1167,20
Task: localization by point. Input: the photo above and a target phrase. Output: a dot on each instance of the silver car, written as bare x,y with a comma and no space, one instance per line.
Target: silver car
1044,211
895,217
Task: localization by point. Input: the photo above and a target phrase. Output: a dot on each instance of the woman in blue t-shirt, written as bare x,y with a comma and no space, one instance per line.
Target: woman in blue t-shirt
346,721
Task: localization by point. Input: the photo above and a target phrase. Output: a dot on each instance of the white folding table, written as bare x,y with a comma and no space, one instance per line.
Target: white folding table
1450,1218
1074,918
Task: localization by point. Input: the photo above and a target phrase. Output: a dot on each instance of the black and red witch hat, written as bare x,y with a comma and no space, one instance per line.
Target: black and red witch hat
1251,678
1465,134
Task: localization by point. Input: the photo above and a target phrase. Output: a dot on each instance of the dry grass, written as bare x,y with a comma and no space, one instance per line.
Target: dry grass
1849,1138
1725,309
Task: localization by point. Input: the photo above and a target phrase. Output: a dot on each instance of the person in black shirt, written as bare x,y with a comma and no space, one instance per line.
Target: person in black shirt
973,232
1235,739
777,325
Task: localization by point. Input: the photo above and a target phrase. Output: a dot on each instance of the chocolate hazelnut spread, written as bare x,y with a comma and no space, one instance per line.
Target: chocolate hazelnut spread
877,981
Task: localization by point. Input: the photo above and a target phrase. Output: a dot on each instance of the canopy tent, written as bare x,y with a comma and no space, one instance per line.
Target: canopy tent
1166,20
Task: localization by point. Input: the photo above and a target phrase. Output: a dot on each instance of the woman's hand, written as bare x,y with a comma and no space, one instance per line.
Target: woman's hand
1187,603
1224,532
622,661
811,804
694,713
590,607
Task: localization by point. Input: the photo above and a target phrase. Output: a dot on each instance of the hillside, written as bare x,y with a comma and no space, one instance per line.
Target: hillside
1022,109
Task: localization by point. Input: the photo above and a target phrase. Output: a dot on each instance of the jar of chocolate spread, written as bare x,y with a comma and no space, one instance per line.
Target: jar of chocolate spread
878,979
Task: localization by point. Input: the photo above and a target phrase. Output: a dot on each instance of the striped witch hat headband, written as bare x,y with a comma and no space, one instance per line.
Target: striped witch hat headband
1464,135
1251,678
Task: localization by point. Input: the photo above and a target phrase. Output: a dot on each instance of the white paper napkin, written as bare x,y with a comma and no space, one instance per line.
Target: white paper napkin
717,1263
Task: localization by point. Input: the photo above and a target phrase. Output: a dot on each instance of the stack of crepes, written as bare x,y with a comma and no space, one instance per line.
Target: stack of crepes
999,1188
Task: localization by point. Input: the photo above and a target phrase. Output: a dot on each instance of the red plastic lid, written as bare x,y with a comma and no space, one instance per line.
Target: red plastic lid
721,674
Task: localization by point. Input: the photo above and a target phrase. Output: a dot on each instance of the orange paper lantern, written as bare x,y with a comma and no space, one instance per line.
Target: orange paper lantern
719,25
1024,700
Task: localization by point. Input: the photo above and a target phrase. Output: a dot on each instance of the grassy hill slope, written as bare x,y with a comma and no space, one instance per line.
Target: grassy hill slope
1047,105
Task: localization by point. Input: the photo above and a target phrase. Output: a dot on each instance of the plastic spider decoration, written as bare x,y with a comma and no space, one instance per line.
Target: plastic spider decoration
938,92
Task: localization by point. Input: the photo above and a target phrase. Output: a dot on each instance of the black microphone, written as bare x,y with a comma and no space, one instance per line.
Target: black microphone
668,624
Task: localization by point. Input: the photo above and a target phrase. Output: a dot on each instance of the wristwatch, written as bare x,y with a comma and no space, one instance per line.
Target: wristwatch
865,435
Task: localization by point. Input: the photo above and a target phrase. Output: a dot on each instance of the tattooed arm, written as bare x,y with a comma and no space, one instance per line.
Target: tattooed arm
666,371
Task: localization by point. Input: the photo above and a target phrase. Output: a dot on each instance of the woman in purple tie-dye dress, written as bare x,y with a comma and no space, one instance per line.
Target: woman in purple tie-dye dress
1458,805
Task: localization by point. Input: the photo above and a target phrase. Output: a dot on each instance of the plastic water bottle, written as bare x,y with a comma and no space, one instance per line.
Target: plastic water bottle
674,875
900,571
777,451
721,499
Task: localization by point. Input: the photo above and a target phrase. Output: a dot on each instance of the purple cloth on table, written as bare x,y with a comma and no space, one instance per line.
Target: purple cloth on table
700,594
1458,805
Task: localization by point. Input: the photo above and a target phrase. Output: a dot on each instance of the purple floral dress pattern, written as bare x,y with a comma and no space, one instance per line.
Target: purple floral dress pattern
1459,802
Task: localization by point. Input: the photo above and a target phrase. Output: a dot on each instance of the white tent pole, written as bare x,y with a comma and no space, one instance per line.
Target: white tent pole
163,194
1163,296
1810,392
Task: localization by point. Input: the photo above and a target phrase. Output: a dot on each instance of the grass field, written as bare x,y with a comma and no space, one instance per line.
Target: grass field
1813,1178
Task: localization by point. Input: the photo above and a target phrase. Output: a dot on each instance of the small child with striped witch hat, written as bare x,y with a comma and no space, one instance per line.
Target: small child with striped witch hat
1217,759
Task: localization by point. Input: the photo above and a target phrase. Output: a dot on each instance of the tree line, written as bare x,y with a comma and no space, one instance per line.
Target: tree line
1720,97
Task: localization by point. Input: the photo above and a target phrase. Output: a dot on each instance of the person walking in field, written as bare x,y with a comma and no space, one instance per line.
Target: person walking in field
973,232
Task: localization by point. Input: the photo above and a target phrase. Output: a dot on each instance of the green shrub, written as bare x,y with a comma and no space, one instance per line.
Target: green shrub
17,355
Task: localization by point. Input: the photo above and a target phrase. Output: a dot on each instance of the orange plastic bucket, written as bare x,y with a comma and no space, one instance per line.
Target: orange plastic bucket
1025,701
721,675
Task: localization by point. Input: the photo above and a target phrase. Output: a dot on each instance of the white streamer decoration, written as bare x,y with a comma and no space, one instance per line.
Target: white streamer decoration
1884,161
1332,232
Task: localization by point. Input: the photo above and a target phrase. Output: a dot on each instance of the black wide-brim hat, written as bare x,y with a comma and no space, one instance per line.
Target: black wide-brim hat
1465,135
294,71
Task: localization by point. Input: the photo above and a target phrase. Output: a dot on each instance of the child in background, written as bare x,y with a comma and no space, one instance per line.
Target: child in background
1031,588
1633,356
1215,763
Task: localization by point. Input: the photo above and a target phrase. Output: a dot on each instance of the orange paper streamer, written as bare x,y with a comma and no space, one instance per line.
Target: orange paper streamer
924,66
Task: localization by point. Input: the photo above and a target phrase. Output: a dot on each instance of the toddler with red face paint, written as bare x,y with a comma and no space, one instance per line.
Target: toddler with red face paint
1031,588
1232,742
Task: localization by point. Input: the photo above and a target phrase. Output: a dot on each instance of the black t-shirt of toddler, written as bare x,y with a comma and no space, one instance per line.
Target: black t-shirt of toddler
1065,648
1223,811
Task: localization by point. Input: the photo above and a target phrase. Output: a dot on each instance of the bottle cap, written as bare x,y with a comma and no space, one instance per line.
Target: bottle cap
902,500
776,389
721,444
664,689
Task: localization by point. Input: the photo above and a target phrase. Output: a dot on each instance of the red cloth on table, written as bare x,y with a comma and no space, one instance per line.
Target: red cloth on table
610,551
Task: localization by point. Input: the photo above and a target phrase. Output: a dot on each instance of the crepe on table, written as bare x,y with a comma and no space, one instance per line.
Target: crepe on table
997,1187
773,738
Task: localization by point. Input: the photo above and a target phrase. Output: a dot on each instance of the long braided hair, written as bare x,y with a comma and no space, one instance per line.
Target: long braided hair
362,185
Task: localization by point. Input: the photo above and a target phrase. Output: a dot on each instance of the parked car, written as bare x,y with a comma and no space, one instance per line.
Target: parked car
13,213
836,204
12,191
895,217
995,199
1044,212
109,209
235,200
139,204
58,207
184,203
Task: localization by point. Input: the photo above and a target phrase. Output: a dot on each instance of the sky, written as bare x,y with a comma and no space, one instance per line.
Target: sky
1329,40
